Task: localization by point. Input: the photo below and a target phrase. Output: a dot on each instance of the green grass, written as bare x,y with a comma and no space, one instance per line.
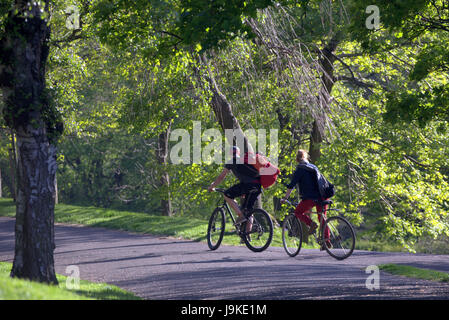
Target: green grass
184,227
180,227
18,289
191,228
381,246
413,272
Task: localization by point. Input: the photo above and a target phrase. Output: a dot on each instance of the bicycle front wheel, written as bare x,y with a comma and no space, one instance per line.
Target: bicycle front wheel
292,235
216,228
338,237
258,231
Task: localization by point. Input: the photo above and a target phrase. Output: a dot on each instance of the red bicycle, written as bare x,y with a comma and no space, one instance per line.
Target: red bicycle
336,235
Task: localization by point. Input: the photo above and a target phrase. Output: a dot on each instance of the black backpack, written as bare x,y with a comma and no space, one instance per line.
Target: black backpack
327,189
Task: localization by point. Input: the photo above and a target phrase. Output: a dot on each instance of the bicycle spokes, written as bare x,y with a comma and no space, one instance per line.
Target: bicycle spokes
258,231
216,228
338,237
291,235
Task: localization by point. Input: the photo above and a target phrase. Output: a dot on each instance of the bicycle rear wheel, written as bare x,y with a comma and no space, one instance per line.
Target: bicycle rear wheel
292,235
261,233
216,228
339,242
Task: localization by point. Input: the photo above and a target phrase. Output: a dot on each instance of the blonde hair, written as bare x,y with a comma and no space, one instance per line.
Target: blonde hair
302,155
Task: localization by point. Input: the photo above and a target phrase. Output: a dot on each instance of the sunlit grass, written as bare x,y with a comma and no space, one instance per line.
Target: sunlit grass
185,227
180,227
190,228
18,289
413,272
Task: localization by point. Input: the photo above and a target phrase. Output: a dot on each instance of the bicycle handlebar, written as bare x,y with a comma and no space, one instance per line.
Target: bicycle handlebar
218,190
293,204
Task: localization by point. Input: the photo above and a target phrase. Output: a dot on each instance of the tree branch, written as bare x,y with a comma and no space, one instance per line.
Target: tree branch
355,81
404,155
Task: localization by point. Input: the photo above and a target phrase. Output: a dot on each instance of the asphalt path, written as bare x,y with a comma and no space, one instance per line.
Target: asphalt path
163,268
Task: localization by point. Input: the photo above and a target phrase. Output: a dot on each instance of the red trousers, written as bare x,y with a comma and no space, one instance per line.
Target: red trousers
306,205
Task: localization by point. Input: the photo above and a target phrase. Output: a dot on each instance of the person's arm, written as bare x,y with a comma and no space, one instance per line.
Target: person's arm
295,179
287,194
219,179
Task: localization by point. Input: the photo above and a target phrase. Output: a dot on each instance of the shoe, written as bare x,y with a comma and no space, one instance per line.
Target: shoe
242,241
312,228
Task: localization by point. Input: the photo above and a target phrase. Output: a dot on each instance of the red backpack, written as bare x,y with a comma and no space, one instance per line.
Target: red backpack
268,171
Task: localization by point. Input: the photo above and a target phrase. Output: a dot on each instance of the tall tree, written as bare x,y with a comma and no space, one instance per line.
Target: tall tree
35,121
162,157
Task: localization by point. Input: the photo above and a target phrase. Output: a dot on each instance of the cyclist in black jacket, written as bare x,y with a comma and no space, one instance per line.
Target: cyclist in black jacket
249,184
311,197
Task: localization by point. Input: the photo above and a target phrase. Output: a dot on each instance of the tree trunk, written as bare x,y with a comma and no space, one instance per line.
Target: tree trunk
12,172
35,207
328,80
162,154
23,55
225,117
223,110
56,190
316,138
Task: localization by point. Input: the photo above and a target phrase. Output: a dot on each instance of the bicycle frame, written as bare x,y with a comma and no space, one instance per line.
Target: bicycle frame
322,218
338,245
321,215
225,206
257,234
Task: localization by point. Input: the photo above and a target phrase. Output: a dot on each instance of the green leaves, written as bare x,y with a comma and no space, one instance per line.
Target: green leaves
422,25
434,58
419,106
135,71
214,23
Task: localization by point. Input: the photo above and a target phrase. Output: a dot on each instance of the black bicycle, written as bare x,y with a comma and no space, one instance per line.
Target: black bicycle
336,235
256,232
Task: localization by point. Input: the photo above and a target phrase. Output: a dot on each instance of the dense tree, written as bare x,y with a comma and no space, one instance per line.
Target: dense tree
424,24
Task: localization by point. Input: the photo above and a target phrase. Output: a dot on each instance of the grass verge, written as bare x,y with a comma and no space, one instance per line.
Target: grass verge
180,227
18,289
190,228
413,272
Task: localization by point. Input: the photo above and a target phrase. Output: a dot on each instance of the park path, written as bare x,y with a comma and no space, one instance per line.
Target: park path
166,268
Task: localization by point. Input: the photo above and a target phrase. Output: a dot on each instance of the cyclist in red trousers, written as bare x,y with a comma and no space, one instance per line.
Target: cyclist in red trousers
309,191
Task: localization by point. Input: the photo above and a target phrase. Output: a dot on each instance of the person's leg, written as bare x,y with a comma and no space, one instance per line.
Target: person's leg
252,192
232,193
322,209
233,205
251,198
303,207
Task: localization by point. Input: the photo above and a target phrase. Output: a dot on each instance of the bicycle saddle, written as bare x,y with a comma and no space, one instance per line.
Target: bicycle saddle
325,202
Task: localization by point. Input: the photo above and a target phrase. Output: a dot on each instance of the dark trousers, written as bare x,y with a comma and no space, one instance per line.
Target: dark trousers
250,190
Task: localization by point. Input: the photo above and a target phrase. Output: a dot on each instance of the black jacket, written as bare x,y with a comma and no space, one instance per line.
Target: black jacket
306,179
